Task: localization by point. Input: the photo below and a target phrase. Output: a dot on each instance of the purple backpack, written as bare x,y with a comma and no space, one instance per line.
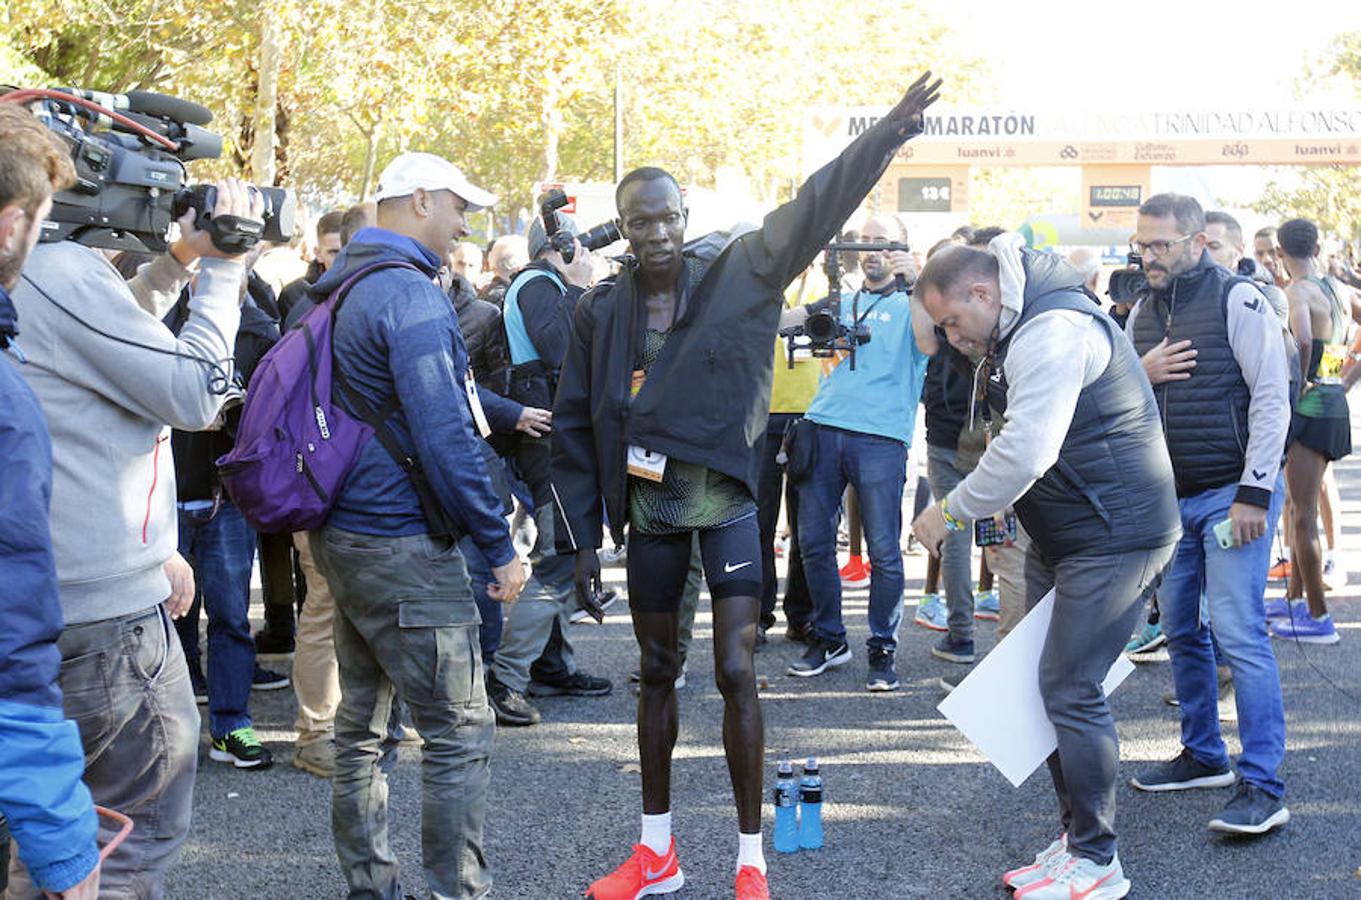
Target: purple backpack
295,444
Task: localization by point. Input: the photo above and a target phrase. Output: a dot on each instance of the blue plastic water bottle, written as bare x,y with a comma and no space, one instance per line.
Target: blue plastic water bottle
810,806
786,809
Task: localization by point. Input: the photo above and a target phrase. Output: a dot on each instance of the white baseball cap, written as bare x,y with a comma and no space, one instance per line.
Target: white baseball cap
409,171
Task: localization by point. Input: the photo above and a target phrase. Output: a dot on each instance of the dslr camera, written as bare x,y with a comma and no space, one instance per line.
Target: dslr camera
823,333
596,238
129,152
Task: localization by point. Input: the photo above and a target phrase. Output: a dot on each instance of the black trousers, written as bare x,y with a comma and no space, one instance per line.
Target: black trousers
771,489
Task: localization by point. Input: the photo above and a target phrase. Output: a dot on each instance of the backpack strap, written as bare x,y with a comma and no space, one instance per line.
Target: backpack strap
431,507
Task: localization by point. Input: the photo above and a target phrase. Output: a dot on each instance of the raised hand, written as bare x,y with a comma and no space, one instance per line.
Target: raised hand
908,112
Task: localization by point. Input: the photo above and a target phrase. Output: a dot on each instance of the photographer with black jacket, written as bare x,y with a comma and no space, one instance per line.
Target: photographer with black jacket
669,367
537,313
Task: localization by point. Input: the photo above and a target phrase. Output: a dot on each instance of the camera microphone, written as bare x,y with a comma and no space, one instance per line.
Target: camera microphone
148,104
167,107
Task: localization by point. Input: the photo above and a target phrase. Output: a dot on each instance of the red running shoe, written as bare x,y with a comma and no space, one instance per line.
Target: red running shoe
855,574
751,884
644,874
1280,571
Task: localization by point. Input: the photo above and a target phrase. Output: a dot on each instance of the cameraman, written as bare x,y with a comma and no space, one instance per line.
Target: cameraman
538,320
864,428
40,754
112,381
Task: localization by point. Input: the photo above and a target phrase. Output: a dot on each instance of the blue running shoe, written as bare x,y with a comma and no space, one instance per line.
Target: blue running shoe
987,606
932,614
1148,638
1305,628
1279,608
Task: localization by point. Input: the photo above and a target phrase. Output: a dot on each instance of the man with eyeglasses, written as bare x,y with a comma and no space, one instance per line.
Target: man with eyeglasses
864,419
1225,412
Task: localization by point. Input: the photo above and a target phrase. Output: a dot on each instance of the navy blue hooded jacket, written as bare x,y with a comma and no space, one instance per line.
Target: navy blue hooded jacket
397,333
41,759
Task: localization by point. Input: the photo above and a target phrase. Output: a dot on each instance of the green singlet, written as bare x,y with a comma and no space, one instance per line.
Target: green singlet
690,496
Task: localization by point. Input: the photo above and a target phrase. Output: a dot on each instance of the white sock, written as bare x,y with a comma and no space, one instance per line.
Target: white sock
750,851
1286,553
657,833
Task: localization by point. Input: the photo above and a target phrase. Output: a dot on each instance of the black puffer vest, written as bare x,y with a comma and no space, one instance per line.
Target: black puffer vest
1204,417
1111,490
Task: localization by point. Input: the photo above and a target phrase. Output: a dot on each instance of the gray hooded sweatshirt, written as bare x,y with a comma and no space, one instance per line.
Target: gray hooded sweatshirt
110,405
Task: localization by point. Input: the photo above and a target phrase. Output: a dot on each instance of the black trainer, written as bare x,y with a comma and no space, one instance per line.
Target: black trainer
578,684
953,649
273,643
799,634
881,677
1183,773
1251,811
267,680
819,657
511,706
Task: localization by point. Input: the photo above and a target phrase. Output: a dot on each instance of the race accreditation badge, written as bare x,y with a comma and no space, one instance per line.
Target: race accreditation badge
639,376
475,405
646,464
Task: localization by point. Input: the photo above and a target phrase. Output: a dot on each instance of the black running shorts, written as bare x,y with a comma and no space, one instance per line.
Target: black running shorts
658,564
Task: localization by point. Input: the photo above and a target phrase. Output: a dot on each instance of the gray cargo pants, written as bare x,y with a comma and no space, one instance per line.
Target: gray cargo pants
406,625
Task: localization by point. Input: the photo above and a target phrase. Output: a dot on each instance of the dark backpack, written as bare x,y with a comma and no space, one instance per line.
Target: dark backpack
295,445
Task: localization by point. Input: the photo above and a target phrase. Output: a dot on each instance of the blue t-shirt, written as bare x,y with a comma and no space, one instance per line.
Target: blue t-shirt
881,395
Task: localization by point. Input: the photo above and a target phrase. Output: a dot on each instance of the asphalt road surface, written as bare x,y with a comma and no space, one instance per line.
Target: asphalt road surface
912,809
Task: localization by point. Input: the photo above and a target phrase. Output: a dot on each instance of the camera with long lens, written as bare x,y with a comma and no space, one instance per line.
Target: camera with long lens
1130,283
596,238
129,152
823,333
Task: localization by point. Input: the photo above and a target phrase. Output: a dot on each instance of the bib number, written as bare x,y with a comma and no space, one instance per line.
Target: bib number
646,465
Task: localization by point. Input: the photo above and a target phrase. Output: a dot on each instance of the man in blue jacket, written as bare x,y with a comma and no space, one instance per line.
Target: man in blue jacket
406,623
41,760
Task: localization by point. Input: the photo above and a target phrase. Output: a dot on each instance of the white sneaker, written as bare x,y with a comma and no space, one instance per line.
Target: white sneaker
1080,877
1047,862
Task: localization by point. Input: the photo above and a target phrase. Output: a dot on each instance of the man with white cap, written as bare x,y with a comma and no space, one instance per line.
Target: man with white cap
405,618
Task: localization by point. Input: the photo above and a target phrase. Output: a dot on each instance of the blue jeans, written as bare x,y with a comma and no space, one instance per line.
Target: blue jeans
1210,588
876,467
221,550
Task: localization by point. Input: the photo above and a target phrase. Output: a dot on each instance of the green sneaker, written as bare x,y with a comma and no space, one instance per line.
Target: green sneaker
242,749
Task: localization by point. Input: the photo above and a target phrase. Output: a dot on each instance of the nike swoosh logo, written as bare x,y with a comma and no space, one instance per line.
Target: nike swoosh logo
654,874
1075,894
729,568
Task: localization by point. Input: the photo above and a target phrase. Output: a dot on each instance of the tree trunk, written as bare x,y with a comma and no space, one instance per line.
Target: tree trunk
266,98
552,128
375,136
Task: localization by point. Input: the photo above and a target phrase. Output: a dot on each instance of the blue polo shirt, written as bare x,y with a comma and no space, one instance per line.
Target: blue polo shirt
880,397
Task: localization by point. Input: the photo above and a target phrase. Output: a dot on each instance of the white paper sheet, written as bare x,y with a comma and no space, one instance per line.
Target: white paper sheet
998,705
